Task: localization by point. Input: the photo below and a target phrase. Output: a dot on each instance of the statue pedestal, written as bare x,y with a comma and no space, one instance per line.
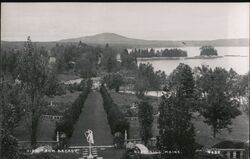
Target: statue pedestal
90,157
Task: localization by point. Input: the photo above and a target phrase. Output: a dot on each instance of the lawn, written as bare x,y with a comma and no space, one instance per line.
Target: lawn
93,117
45,130
67,76
66,98
240,126
124,99
111,153
46,127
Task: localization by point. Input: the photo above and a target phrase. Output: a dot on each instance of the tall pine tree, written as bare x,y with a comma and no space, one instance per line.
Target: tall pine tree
176,132
146,119
33,72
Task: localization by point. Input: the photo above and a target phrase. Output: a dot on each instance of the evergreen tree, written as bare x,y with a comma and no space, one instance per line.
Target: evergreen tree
146,119
128,61
33,72
176,132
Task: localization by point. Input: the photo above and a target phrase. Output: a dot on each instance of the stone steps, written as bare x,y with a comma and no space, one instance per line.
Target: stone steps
85,153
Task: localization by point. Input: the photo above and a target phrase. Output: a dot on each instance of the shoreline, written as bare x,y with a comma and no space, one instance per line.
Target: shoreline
177,58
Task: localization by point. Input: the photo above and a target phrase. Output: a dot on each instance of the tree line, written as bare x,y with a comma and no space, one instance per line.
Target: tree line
175,52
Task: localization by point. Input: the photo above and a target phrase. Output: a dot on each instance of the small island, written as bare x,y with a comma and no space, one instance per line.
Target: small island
208,51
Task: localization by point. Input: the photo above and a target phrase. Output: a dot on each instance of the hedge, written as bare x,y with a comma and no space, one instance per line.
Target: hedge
71,115
116,118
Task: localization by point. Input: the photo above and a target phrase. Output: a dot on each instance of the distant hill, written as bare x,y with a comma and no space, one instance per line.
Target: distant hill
115,39
119,41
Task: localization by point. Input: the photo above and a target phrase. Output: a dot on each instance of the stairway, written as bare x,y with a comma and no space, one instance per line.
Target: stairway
85,153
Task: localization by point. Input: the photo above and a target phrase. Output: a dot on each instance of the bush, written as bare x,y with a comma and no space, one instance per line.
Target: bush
204,155
72,114
61,90
119,140
116,118
76,87
229,145
9,147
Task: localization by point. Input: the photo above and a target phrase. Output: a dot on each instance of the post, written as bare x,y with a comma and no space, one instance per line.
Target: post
241,154
126,135
57,136
125,138
234,154
90,153
228,154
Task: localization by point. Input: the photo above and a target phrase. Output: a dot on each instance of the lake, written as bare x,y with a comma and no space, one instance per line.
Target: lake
234,57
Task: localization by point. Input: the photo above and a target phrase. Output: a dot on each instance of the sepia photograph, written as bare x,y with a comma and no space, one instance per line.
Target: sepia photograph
127,80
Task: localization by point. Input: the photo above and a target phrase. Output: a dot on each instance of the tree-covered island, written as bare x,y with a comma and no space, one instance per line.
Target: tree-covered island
208,51
173,52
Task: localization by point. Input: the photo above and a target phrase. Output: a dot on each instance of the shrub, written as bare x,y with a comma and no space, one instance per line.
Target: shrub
229,144
9,147
204,155
116,118
72,114
61,90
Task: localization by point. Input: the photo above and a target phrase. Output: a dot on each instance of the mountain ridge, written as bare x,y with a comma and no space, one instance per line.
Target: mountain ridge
116,39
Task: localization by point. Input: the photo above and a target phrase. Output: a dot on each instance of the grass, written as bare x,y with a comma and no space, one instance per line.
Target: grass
123,100
66,98
111,153
240,131
46,127
240,125
45,130
93,117
67,76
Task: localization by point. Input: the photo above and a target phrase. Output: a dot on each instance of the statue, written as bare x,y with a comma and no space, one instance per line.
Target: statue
90,139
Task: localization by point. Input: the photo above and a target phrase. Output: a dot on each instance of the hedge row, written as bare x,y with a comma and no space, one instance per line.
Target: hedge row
116,118
71,115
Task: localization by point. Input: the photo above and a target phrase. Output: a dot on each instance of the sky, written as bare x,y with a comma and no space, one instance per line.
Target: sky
149,21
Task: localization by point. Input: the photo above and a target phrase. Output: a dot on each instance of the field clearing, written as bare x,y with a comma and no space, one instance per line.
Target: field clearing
240,126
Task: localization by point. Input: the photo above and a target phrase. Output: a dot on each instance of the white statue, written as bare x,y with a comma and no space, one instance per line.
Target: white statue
89,135
90,139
